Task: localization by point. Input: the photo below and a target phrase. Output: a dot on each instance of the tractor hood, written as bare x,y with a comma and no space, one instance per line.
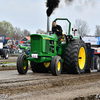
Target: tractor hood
45,36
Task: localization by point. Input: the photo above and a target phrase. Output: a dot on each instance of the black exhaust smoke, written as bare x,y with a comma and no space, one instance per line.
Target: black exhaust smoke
51,5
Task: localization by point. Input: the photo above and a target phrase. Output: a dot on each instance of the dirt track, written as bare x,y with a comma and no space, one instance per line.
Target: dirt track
44,86
10,59
36,86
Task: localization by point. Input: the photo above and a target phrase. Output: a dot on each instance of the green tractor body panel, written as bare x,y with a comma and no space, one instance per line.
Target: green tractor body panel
45,47
24,47
41,43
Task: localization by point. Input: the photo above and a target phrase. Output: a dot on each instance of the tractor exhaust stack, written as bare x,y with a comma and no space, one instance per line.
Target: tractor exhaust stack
48,24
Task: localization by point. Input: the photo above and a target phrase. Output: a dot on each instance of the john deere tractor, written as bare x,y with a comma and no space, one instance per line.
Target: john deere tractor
47,55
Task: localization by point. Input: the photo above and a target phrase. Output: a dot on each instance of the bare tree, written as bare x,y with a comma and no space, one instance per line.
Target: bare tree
26,33
82,27
17,33
39,31
97,31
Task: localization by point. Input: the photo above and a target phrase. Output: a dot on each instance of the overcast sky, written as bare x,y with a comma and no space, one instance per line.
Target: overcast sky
31,14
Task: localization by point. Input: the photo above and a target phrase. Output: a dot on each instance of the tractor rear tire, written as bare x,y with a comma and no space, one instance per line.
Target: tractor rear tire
5,54
56,65
22,65
75,57
38,67
97,63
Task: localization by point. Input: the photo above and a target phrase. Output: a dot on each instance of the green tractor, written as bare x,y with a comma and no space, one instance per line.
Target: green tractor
24,48
47,55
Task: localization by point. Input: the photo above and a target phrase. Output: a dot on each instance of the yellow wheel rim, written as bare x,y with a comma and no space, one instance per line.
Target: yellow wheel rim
59,66
24,67
82,58
47,64
24,64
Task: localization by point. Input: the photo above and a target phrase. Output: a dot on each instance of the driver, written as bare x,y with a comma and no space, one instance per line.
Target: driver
58,30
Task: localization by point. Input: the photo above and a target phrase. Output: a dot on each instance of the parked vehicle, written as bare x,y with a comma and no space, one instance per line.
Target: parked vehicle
95,44
4,51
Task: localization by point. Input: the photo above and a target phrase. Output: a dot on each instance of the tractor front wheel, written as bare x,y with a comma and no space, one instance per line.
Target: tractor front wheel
22,64
56,65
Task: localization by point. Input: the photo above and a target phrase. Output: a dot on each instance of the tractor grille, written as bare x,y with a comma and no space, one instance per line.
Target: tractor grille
46,46
36,42
39,45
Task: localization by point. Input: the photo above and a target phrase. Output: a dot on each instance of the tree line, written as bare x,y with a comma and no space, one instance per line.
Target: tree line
6,28
83,28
